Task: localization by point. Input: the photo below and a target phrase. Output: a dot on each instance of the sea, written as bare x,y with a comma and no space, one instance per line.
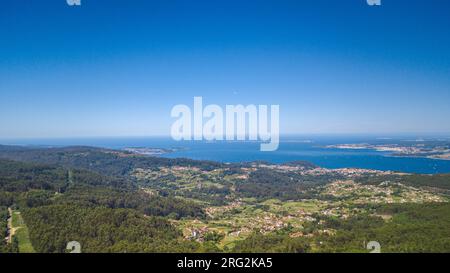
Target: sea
292,148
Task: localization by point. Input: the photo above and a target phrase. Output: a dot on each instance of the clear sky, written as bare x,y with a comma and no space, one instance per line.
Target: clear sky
116,67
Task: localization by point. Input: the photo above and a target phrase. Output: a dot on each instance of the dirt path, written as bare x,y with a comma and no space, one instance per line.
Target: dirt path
11,229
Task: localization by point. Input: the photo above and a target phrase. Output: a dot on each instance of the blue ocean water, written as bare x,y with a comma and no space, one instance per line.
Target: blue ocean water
310,149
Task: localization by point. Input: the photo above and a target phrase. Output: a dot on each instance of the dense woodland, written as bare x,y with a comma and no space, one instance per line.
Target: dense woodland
272,243
413,228
86,195
61,205
3,227
267,184
102,229
99,160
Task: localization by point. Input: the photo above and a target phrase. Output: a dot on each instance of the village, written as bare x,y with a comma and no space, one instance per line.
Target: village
239,217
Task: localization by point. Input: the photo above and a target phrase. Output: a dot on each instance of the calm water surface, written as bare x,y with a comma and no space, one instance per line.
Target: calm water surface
301,148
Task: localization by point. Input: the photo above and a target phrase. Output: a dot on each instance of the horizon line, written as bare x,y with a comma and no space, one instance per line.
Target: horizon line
386,134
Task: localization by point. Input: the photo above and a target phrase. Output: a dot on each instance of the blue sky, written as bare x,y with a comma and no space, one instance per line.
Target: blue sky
116,67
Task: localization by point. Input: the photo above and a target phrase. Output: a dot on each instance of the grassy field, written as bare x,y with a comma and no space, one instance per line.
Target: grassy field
21,233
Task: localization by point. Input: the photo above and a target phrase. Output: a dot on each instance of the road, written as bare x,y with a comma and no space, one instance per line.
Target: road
11,229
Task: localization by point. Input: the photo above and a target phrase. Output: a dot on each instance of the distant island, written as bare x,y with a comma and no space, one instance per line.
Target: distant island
426,150
148,151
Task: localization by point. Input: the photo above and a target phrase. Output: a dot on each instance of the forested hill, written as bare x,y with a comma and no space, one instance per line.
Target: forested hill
31,184
105,161
60,205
